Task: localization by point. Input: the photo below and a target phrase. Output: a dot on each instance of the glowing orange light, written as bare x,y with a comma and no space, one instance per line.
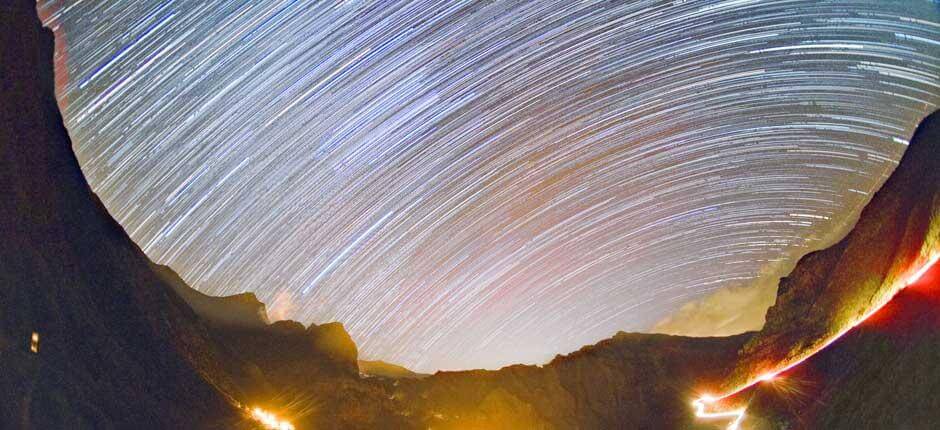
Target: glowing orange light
914,278
767,377
269,420
34,343
738,414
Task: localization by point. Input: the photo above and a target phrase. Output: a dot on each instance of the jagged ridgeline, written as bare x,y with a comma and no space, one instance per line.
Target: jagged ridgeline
95,335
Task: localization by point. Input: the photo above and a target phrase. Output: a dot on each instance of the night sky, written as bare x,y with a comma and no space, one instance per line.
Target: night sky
470,184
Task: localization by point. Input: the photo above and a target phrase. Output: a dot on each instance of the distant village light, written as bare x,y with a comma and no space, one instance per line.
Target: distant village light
34,343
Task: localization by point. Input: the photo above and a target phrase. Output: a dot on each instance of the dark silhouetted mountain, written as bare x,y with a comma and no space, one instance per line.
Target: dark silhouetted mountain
118,347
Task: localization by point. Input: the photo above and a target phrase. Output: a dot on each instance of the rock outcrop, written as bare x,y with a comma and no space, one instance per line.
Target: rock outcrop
381,369
240,310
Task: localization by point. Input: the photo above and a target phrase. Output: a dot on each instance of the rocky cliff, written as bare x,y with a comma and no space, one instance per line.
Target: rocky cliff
381,369
117,347
239,310
830,289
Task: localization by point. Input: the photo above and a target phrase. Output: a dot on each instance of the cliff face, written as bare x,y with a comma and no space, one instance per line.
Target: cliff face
108,327
239,310
309,374
830,289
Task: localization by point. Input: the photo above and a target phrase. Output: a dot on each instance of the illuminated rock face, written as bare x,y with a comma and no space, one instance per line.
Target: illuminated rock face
829,289
239,310
882,374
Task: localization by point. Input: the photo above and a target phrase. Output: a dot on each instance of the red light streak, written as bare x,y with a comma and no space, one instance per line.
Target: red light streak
737,415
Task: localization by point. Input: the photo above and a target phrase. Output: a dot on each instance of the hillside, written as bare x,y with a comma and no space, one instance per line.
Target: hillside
883,374
830,289
382,369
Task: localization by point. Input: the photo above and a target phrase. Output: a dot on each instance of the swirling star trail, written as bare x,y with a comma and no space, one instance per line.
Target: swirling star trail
469,184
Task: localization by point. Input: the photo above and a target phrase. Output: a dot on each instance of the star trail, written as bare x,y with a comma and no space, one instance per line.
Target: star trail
470,184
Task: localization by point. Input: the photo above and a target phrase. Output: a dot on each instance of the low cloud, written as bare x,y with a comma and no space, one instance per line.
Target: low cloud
737,309
729,310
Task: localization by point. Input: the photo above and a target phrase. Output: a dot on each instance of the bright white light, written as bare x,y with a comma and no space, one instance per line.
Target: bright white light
269,420
916,276
768,376
736,415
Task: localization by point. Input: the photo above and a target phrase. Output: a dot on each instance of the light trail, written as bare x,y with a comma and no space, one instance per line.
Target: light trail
268,420
737,415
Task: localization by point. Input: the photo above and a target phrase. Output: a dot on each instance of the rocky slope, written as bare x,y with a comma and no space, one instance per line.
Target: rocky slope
310,373
883,374
239,310
117,346
381,369
830,289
